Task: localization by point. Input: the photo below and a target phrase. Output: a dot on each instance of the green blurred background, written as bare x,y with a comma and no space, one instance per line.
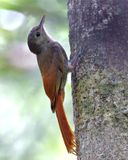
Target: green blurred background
28,129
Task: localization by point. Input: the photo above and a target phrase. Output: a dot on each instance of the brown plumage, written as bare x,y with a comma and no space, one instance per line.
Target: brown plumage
53,64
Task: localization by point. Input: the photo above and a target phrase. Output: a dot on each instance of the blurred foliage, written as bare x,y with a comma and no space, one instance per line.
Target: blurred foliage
28,129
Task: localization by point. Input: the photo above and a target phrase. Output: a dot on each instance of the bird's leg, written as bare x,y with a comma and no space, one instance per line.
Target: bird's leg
72,62
70,67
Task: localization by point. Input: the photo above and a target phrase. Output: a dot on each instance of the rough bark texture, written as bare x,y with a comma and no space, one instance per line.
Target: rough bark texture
99,35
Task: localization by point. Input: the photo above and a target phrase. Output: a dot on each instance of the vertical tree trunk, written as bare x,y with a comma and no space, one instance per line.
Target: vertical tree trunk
99,35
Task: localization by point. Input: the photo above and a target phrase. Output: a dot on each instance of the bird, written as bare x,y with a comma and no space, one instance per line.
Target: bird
54,67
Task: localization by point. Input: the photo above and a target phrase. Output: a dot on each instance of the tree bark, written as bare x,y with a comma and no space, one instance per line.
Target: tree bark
98,34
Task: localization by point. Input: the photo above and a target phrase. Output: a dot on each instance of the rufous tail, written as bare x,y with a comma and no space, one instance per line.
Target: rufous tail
67,133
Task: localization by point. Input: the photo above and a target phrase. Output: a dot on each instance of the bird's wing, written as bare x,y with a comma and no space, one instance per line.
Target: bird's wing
59,63
60,57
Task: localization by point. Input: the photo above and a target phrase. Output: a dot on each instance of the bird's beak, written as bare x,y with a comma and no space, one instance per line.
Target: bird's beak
41,23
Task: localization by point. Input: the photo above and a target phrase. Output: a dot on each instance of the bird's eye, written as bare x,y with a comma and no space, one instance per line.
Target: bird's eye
37,34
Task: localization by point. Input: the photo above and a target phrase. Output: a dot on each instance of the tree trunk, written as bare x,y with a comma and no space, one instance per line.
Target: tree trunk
99,35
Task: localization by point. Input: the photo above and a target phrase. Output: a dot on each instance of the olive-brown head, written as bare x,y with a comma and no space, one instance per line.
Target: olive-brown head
37,38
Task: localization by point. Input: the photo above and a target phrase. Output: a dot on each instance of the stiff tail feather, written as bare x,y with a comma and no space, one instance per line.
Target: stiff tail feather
67,133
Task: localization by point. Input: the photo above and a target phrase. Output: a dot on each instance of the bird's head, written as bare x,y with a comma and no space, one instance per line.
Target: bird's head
37,37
